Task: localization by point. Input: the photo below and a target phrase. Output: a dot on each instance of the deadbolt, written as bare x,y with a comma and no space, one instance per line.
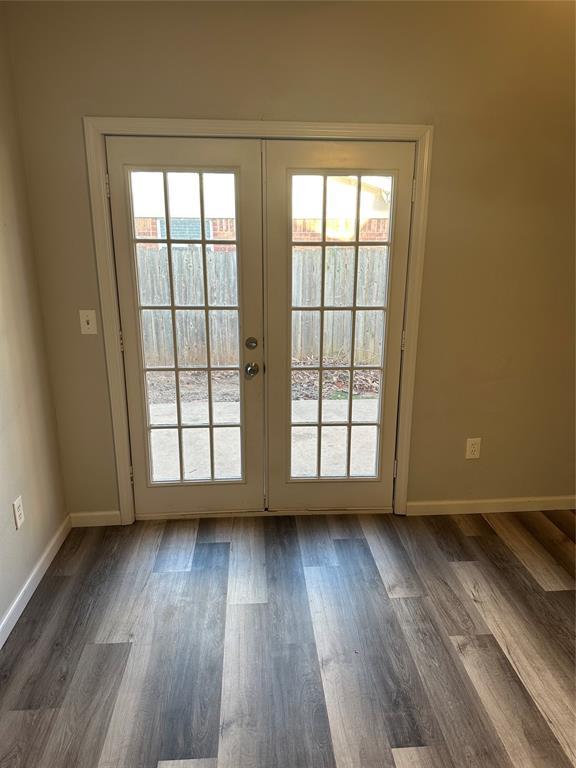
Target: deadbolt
251,342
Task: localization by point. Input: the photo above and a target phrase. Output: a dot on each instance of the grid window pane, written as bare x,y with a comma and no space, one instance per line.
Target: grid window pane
369,343
227,453
307,205
366,395
224,338
375,199
222,275
341,205
191,338
304,452
306,276
194,397
363,451
226,397
196,454
372,275
184,205
161,397
188,275
339,276
157,339
148,208
305,392
153,275
165,455
335,396
334,452
219,206
305,339
337,347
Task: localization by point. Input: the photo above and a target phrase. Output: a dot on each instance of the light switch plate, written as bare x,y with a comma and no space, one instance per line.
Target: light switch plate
18,508
88,321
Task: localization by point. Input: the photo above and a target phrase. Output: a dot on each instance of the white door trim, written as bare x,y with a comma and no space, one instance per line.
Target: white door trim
95,131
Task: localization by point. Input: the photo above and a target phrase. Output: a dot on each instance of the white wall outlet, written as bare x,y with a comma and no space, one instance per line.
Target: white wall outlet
473,447
18,508
88,321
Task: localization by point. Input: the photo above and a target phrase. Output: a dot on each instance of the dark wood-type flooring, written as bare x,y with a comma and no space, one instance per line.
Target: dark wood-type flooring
309,642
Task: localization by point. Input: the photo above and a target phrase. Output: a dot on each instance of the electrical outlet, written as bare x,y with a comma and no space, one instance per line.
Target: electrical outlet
18,508
88,321
473,447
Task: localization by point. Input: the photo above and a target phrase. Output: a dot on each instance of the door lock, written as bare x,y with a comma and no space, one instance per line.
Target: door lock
251,369
251,342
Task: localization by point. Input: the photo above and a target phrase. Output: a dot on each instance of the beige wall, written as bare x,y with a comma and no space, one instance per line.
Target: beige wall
28,451
496,80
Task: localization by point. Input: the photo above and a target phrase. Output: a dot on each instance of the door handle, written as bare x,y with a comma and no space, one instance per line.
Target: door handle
251,369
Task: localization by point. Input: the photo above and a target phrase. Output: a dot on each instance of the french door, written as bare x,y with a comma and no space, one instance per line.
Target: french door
261,289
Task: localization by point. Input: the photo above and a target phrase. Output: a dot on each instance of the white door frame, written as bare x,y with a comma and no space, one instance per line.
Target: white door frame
95,131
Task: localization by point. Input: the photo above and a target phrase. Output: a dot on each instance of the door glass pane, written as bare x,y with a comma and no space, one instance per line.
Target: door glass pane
191,338
226,397
335,396
157,341
366,395
345,277
222,275
165,455
372,276
305,391
304,451
307,205
341,205
363,451
219,206
375,200
306,276
305,339
224,338
369,343
192,280
334,452
339,276
148,209
153,275
161,396
184,206
187,274
227,454
337,345
194,397
196,450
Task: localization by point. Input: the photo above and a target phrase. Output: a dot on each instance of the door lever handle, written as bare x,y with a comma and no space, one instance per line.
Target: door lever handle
251,369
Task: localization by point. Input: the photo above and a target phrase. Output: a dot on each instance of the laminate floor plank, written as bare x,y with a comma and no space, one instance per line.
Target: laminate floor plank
78,730
449,538
344,527
23,736
176,550
209,763
455,609
558,545
247,581
395,567
548,681
519,723
542,566
565,520
472,525
215,530
418,757
168,706
468,733
316,543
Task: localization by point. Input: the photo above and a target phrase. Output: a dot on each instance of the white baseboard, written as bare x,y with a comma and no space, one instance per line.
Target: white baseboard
15,610
487,506
89,519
